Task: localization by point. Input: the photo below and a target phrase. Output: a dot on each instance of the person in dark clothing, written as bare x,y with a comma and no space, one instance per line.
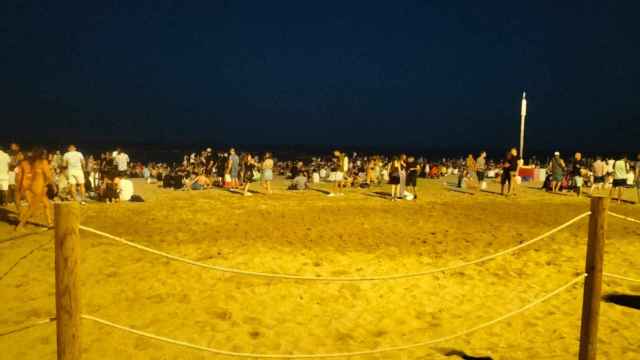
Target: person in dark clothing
509,171
412,175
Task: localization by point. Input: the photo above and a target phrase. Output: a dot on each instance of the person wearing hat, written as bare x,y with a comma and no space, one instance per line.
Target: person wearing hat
557,171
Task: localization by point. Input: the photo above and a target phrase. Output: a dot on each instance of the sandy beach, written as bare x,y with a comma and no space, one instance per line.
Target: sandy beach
308,233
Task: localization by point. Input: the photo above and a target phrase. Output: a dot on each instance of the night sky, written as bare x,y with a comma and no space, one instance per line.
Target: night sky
431,74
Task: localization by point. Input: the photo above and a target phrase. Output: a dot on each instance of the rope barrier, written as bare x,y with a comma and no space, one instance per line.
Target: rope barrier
624,217
343,354
614,276
321,278
26,326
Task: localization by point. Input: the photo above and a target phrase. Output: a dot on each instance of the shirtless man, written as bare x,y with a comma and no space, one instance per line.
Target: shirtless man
32,180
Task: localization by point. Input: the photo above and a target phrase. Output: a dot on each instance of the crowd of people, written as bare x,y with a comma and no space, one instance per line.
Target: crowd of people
38,176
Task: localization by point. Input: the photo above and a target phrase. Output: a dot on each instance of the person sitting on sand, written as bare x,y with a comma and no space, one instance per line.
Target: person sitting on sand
300,182
32,181
125,188
199,182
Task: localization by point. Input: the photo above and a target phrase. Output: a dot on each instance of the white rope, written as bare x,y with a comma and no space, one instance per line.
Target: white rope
614,276
344,354
624,217
327,278
26,326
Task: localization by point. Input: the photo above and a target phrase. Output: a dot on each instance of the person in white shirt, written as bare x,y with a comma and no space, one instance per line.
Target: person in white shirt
122,161
74,162
5,159
125,188
620,170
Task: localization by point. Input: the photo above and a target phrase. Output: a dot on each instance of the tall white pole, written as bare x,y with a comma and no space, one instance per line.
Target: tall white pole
523,115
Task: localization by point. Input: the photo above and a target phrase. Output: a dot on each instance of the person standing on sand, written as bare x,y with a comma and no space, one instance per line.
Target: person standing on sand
481,168
35,174
249,166
620,169
577,169
394,178
599,169
16,157
509,171
74,162
342,169
122,161
234,168
403,175
5,159
412,175
267,172
557,171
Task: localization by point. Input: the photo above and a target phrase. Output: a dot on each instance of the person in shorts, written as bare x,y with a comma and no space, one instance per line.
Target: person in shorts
577,168
599,169
509,171
557,171
74,162
620,169
412,175
341,167
481,168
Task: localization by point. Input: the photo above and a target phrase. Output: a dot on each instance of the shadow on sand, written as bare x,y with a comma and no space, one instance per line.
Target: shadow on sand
631,301
462,355
322,191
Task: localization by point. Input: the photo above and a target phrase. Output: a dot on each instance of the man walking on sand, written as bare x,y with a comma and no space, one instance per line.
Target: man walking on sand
74,162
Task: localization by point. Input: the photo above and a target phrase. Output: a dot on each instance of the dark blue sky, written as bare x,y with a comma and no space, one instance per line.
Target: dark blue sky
431,74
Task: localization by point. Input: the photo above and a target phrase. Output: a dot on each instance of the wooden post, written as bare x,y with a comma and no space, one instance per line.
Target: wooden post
593,282
67,246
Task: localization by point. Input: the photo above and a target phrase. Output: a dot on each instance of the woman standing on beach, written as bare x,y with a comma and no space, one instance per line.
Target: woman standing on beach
394,178
267,172
32,181
249,168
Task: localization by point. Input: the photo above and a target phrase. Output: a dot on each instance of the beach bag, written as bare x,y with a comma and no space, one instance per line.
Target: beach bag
256,175
227,180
